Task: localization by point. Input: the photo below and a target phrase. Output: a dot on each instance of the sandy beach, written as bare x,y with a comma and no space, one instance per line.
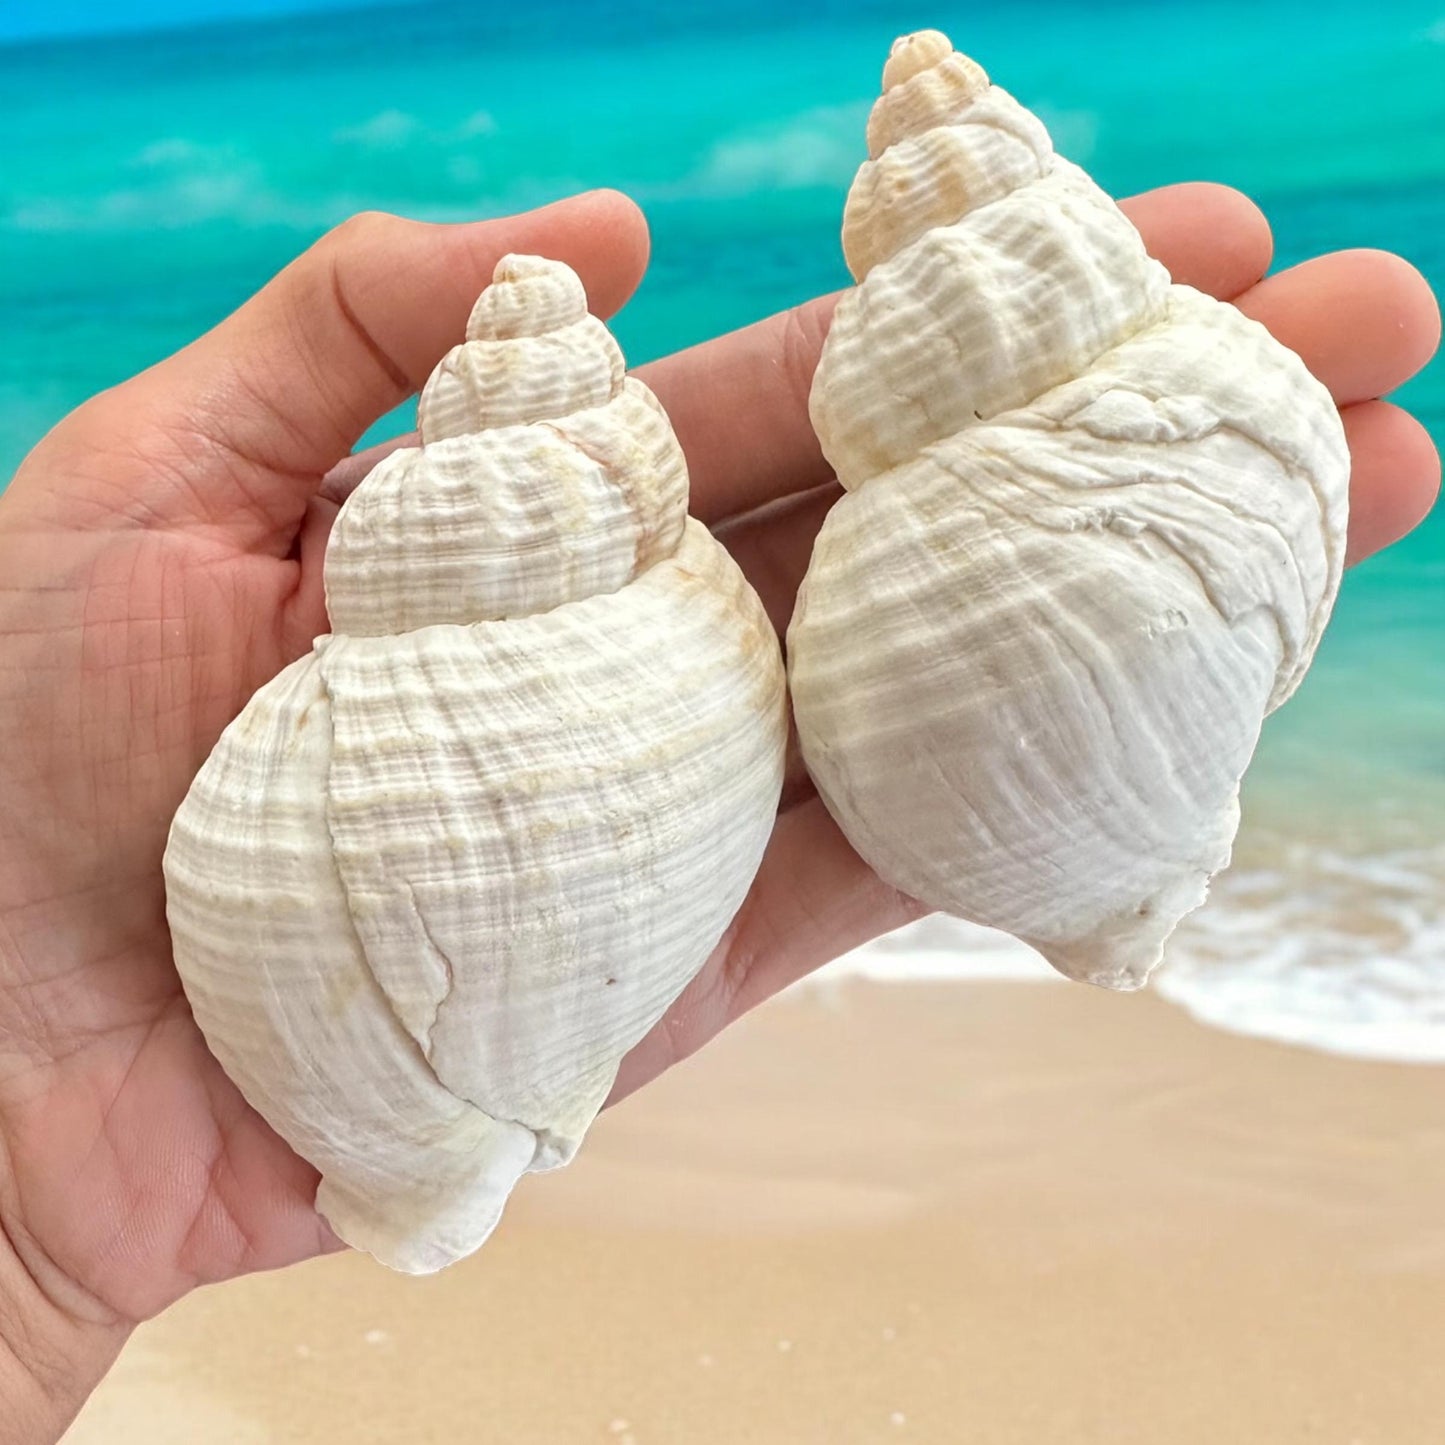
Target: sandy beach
965,1212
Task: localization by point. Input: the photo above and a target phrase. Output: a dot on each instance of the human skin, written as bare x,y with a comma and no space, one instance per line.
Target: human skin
160,558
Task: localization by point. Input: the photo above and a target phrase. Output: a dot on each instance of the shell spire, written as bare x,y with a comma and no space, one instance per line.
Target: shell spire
1092,532
941,141
532,353
926,83
446,870
545,473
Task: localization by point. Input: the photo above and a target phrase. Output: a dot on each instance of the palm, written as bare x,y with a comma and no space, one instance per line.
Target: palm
120,1125
161,557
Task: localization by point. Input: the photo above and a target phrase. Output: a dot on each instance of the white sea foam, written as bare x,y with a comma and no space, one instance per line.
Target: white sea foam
386,130
938,948
393,129
1075,133
820,147
1313,944
1339,951
174,183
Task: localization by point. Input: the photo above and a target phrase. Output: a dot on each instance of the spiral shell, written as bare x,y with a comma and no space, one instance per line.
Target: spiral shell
446,869
1093,529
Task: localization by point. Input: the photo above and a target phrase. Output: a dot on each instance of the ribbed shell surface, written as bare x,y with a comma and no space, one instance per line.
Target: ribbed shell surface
441,874
1094,529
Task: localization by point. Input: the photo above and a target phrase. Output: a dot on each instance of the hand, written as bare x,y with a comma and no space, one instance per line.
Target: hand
160,555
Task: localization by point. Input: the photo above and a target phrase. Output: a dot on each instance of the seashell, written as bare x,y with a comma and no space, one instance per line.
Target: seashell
1093,528
445,870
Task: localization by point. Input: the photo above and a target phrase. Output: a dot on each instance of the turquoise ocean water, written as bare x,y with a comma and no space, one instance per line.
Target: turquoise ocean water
149,183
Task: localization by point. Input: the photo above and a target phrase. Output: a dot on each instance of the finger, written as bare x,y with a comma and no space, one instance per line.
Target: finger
281,390
1364,322
305,616
344,478
740,403
1395,476
1209,236
814,892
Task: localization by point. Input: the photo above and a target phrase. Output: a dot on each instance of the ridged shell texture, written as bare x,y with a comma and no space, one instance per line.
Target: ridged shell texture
1093,529
446,869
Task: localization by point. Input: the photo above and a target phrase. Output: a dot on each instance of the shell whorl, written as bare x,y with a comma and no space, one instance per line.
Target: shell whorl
981,255
926,82
986,258
544,475
942,141
532,353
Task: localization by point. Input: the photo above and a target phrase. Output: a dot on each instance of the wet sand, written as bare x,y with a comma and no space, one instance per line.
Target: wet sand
964,1212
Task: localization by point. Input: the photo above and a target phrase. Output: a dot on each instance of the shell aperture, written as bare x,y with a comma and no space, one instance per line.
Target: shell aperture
1093,529
446,869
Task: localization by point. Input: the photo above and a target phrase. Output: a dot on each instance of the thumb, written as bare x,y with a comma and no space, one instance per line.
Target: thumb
278,392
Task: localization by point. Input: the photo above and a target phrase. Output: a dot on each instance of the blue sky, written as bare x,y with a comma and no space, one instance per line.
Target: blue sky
29,19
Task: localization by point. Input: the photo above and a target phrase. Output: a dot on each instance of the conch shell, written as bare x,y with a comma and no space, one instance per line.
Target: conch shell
1093,528
445,870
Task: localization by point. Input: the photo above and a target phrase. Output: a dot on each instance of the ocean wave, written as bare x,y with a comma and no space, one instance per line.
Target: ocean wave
819,147
937,948
178,205
1337,950
390,130
176,183
387,130
1314,944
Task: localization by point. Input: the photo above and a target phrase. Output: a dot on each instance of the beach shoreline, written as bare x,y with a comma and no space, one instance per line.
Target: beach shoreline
873,1212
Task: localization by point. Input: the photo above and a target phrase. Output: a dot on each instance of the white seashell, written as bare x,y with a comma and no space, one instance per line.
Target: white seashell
1093,530
443,872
